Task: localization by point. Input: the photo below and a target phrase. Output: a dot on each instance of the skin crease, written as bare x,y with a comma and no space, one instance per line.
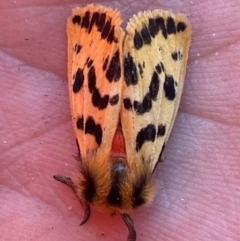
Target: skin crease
198,182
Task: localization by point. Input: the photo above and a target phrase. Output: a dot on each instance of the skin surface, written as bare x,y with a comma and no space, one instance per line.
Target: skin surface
198,183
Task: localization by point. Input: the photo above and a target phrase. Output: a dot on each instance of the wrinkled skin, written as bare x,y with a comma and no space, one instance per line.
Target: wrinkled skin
198,182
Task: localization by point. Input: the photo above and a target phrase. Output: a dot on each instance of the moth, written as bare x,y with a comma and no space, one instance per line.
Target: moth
124,90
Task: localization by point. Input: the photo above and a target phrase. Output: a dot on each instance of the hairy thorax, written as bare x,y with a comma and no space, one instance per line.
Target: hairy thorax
113,184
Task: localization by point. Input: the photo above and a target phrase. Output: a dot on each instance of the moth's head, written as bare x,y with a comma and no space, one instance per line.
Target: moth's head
113,185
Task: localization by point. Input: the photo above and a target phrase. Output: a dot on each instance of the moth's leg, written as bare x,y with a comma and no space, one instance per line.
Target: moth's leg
68,181
130,224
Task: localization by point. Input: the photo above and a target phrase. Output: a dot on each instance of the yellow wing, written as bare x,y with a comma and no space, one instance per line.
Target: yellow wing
155,56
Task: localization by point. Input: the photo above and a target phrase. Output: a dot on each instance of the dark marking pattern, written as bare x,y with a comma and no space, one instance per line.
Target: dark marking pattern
91,79
114,100
89,62
111,37
152,28
160,26
137,40
171,28
181,26
104,26
106,29
76,19
101,22
90,127
145,35
159,68
85,20
177,56
94,21
77,48
78,80
99,101
146,104
154,86
130,70
93,129
80,122
161,130
113,72
147,133
140,69
127,104
169,87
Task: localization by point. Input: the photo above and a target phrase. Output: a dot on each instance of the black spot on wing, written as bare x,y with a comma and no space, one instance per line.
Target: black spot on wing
160,26
111,37
94,21
114,100
169,87
171,28
78,80
161,130
99,101
93,129
147,133
177,56
76,19
140,69
130,70
152,27
181,26
90,127
86,20
154,86
144,106
127,104
137,40
91,79
145,35
106,29
159,68
101,22
89,62
80,122
77,48
113,72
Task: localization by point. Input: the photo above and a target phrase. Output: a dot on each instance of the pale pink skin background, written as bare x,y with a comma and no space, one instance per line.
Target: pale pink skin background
198,194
